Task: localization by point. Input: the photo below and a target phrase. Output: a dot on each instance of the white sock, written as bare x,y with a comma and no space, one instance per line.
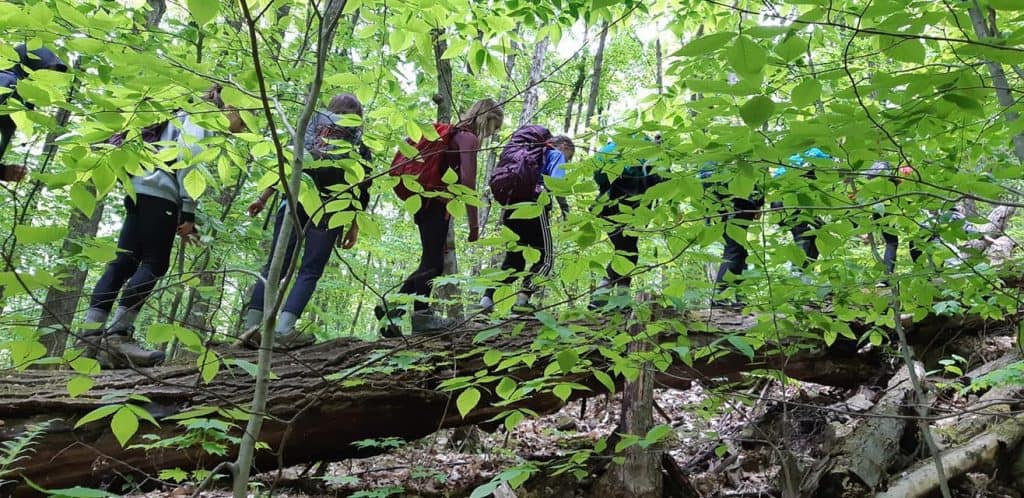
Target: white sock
286,322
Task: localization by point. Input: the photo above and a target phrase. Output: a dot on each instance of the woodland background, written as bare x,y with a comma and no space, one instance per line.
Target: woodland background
931,84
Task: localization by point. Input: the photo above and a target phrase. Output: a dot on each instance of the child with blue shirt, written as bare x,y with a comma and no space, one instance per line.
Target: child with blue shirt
534,233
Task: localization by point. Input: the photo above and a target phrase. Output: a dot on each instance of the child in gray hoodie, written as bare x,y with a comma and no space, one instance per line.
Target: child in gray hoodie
160,209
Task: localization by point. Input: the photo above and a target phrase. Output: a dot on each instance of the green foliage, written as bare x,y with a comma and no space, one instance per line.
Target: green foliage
19,448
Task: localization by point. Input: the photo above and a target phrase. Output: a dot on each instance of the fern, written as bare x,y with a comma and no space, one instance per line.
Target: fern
17,449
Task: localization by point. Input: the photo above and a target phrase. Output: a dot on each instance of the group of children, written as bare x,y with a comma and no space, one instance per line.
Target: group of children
159,207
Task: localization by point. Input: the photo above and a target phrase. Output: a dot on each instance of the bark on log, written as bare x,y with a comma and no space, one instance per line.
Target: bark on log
316,417
869,451
922,480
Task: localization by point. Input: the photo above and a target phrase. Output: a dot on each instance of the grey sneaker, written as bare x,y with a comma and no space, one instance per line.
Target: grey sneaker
426,322
121,351
293,339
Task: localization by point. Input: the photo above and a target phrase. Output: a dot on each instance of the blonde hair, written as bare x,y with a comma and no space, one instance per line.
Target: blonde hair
484,118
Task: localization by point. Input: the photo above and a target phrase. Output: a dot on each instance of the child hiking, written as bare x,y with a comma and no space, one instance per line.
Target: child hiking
160,209
531,154
318,236
455,149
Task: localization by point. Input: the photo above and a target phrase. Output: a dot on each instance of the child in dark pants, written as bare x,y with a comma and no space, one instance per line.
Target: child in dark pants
613,195
319,238
739,212
39,59
480,121
534,233
161,208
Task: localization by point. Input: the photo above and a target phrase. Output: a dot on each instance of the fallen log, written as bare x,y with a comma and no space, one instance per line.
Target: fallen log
862,461
316,413
923,478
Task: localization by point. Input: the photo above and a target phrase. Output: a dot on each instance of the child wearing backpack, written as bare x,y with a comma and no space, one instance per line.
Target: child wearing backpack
456,149
624,190
800,224
39,59
524,163
319,238
160,209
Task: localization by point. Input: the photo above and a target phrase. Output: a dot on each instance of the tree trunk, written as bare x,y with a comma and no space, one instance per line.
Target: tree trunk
532,92
595,80
62,302
443,98
157,10
492,152
576,94
658,78
640,474
316,418
999,81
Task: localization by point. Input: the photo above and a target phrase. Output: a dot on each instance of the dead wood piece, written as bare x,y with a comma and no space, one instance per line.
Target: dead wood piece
923,479
868,452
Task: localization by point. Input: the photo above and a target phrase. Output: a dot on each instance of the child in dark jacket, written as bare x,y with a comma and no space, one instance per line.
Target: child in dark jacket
29,61
319,238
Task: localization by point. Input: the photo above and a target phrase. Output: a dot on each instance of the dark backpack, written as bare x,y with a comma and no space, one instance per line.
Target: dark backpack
516,177
427,165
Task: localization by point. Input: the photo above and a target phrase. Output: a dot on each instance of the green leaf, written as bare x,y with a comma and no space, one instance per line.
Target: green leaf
605,380
143,414
82,199
97,414
485,490
526,212
208,364
657,433
413,204
757,110
742,345
505,388
75,492
746,56
567,359
124,425
1006,4
79,384
808,91
203,11
706,44
562,391
467,401
39,235
905,49
195,183
513,419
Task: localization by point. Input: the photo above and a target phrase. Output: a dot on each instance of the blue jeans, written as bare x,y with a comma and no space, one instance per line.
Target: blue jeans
316,253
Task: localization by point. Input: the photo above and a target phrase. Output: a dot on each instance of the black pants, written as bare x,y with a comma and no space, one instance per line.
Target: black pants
144,255
799,225
892,243
534,233
734,254
432,222
625,245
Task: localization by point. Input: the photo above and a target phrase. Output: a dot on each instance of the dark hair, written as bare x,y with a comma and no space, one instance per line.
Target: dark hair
345,103
563,141
213,95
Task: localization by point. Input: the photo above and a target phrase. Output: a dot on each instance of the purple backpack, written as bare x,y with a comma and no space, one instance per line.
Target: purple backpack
516,177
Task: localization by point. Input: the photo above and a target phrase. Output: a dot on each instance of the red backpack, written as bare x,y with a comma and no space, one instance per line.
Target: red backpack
426,166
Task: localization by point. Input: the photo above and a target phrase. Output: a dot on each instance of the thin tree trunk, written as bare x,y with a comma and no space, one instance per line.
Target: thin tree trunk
492,152
531,95
577,93
595,80
999,80
62,302
157,10
443,98
657,65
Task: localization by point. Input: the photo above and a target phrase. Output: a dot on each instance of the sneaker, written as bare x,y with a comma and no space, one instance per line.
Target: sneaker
390,326
292,339
123,352
486,306
426,322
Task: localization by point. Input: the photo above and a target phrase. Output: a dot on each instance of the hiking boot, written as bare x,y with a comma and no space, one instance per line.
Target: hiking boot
89,343
120,351
292,339
426,322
